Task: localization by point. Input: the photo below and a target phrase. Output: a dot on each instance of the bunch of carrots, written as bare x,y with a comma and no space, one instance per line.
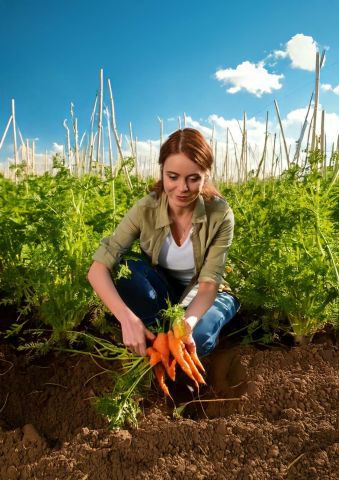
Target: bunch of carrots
167,351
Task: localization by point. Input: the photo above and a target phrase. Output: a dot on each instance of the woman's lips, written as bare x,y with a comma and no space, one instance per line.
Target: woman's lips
182,198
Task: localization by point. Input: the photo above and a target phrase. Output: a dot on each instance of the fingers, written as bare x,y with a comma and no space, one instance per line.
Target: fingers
149,334
190,344
137,348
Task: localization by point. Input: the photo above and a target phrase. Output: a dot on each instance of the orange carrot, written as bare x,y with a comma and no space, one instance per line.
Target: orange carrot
177,349
171,369
197,362
193,368
155,357
160,376
161,344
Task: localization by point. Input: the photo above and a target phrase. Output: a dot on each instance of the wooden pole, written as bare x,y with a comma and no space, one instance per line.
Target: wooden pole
243,160
161,130
316,100
68,145
15,148
115,132
282,133
110,149
236,156
263,156
27,157
91,138
101,78
5,131
322,135
103,153
302,133
226,167
33,158
274,160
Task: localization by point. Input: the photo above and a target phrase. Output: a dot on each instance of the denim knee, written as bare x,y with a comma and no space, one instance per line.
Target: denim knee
207,330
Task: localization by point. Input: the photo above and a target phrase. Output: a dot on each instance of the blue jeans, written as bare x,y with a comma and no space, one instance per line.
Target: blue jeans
147,289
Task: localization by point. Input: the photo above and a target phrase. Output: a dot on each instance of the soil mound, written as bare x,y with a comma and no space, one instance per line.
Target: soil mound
269,414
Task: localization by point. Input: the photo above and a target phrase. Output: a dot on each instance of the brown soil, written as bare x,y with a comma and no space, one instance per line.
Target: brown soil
273,415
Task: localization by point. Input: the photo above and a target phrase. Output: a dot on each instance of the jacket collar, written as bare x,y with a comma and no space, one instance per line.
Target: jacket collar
199,213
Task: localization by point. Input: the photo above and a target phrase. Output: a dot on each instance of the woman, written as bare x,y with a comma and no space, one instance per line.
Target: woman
185,229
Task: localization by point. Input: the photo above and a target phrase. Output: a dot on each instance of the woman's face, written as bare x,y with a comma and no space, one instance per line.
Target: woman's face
183,180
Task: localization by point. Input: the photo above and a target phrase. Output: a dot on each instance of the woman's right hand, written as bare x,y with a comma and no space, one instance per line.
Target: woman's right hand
134,334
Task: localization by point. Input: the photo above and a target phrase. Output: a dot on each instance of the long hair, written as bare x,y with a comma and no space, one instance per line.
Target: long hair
191,143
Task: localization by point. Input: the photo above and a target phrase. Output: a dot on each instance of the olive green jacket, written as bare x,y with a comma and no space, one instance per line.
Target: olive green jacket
213,224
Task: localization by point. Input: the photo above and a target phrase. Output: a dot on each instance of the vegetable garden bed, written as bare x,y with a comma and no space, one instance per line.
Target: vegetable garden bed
270,414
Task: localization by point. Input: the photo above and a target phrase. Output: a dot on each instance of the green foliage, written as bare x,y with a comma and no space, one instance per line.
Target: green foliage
283,260
121,407
283,264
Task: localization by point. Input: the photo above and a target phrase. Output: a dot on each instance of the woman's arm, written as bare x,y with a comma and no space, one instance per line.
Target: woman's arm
134,332
203,300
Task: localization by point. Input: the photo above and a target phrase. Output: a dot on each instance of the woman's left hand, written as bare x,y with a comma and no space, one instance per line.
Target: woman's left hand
187,336
190,343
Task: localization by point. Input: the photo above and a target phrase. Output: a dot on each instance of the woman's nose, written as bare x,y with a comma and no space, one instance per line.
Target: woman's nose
183,186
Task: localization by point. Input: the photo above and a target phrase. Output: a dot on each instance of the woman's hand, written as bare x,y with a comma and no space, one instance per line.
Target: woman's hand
189,343
183,330
134,334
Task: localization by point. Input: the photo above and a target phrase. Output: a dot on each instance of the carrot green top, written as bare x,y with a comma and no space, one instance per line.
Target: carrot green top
148,221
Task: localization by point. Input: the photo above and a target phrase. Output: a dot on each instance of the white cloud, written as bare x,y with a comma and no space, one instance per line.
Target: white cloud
254,78
295,118
57,148
301,50
195,124
280,54
327,87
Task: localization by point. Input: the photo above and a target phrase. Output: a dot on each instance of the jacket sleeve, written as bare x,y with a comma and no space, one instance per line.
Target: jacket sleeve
113,247
214,264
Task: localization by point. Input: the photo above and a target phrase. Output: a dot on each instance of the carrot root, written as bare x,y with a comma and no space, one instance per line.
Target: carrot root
177,349
197,375
160,376
197,362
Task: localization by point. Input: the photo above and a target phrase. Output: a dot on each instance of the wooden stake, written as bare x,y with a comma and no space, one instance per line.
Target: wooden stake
68,145
301,136
282,133
5,131
115,132
263,156
14,136
161,130
33,158
46,161
322,135
101,79
110,149
316,100
92,138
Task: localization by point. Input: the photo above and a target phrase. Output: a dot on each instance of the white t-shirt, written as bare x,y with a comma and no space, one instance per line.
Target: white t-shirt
178,260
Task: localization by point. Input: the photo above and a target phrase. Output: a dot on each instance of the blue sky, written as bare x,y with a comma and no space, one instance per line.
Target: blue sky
213,61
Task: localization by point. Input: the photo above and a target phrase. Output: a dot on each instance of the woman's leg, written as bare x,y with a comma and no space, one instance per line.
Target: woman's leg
145,291
207,330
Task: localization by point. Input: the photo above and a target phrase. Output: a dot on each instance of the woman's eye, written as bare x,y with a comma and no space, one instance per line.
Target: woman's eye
172,177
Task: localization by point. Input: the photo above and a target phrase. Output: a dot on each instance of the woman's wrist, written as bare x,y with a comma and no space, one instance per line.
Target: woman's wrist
191,322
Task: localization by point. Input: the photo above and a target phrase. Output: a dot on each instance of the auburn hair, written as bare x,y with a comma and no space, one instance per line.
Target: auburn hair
192,143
